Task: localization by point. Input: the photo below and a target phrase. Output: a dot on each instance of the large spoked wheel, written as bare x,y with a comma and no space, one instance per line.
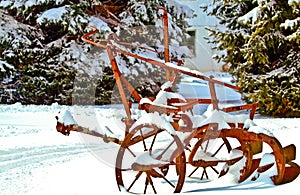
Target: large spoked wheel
208,156
150,160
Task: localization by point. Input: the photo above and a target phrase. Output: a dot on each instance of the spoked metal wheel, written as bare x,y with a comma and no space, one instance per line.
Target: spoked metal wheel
150,160
208,157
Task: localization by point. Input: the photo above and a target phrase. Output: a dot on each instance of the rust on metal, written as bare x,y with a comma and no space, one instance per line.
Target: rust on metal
251,143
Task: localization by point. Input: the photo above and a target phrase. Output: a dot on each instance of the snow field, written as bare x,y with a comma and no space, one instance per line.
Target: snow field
35,159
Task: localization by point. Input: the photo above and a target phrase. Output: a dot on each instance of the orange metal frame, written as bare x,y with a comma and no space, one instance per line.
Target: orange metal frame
122,82
247,139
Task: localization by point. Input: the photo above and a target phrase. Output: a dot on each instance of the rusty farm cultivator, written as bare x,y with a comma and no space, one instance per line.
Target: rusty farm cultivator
167,142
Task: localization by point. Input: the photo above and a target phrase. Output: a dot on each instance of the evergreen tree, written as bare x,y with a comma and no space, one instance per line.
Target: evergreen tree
43,58
261,40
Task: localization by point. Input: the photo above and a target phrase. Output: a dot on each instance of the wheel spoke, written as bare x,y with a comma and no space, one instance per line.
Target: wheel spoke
146,185
151,183
165,150
129,169
144,143
130,151
136,178
215,170
218,150
228,146
204,173
152,144
193,171
206,146
214,147
167,180
188,148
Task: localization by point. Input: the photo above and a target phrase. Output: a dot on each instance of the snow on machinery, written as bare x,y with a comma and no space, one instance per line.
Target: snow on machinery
168,140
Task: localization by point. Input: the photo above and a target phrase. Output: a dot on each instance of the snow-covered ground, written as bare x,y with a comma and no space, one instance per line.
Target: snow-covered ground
35,159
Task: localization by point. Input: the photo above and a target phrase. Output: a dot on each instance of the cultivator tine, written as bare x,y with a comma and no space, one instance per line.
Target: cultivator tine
265,163
291,171
289,153
256,147
255,165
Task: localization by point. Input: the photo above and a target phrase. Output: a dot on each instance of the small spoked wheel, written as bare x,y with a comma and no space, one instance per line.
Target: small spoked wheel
207,157
150,160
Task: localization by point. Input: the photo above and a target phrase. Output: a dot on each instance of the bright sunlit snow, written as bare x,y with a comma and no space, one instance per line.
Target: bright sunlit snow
35,159
54,14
